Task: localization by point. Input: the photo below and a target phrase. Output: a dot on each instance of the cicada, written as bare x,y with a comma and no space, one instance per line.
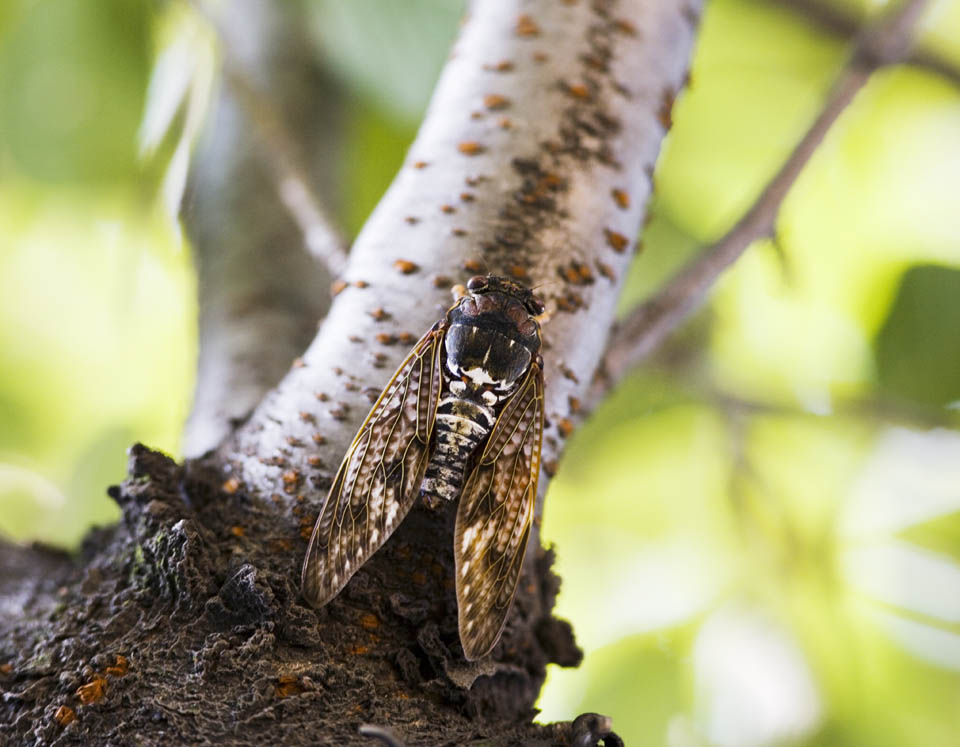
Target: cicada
462,418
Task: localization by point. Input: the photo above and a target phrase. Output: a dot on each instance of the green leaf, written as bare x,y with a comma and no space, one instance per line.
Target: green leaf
918,348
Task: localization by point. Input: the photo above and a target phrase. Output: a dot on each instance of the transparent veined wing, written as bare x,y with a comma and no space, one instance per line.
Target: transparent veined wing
494,518
379,478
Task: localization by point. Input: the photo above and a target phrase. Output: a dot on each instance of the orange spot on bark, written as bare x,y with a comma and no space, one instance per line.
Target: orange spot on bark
621,198
369,622
92,691
617,241
665,113
65,715
495,102
230,486
405,266
288,685
120,667
470,148
565,427
337,287
526,26
237,531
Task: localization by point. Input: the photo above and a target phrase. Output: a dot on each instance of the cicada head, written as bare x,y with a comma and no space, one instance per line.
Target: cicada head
493,334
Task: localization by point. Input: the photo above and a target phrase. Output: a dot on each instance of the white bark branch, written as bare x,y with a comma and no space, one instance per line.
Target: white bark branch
534,161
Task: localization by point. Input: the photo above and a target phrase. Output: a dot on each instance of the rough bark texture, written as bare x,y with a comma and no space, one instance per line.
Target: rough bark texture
200,600
534,162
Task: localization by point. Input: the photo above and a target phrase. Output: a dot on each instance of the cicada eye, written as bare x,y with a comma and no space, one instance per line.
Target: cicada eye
535,306
477,283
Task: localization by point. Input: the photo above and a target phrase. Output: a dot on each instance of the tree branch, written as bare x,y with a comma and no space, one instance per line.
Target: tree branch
884,42
281,152
260,294
842,22
534,161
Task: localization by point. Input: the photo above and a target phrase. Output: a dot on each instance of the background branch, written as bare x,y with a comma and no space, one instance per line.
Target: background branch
260,294
840,20
291,54
885,42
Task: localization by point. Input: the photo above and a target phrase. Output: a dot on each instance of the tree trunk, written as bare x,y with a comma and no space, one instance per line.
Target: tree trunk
184,623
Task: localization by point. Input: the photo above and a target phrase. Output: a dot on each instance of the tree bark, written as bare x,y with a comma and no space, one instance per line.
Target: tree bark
183,623
261,294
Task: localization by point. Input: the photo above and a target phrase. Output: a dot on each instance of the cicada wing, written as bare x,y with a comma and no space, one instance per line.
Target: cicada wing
494,518
379,478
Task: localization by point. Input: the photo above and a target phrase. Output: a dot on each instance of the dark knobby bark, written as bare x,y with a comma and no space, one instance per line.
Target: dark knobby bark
183,624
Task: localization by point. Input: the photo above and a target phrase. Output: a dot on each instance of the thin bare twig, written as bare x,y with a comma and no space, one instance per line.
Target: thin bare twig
842,22
322,239
884,42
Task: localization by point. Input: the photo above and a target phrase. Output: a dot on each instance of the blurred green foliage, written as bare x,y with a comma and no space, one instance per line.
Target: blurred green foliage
758,533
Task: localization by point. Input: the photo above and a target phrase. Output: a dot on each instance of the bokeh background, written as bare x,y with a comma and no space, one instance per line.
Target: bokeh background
758,534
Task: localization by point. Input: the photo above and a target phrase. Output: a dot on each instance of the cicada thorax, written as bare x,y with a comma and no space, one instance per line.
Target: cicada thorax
489,346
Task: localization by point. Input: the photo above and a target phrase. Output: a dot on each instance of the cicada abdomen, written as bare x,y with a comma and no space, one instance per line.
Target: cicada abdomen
462,418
